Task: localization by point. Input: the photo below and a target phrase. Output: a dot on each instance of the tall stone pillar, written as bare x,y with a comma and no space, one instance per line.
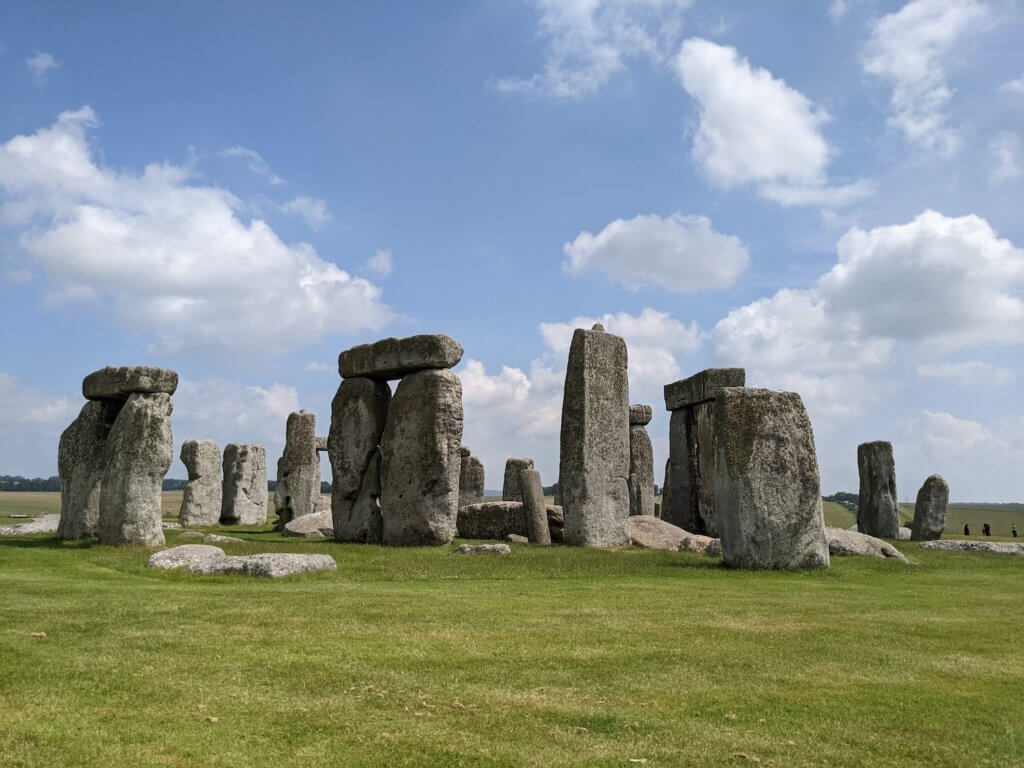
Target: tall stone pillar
511,488
878,513
201,498
244,496
297,492
930,509
641,462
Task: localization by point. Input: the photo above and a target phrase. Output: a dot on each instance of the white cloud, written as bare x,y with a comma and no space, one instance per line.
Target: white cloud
315,365
168,255
254,160
31,422
41,65
69,293
837,9
590,41
754,128
1007,152
382,262
18,276
972,373
1013,86
908,49
312,209
279,400
680,253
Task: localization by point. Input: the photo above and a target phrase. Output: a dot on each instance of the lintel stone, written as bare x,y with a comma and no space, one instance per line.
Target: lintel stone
702,386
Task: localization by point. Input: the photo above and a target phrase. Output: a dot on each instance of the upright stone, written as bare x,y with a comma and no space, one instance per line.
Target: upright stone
359,412
930,509
511,490
394,358
421,460
535,506
471,478
245,485
138,455
878,514
641,462
201,498
594,455
297,492
80,462
765,478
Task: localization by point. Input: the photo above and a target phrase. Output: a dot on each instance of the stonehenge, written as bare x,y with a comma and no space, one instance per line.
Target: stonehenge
930,509
537,530
297,492
244,494
641,462
113,457
201,498
594,441
511,488
878,514
500,519
471,478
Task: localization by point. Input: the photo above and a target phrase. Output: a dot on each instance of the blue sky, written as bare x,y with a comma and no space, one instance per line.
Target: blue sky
827,194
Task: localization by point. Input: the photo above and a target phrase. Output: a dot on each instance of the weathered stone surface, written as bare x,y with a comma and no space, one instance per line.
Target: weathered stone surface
184,555
471,478
713,548
359,412
315,526
702,386
190,535
903,533
695,542
117,383
498,519
767,491
1012,548
688,495
556,523
394,358
594,442
276,565
511,489
515,538
641,472
244,496
297,492
421,460
878,514
321,443
81,458
201,498
138,454
216,538
42,524
168,526
930,509
843,542
534,507
484,549
201,558
640,415
651,533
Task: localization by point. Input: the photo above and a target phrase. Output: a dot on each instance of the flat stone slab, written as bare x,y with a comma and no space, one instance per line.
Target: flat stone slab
651,533
702,386
640,415
515,538
184,555
484,549
987,547
394,358
116,383
42,524
843,542
319,525
205,559
215,538
276,565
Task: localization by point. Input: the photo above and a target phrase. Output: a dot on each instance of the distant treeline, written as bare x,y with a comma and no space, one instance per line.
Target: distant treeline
19,483
843,497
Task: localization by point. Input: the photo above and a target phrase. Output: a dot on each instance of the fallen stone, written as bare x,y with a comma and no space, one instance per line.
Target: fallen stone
81,458
315,526
201,497
188,535
169,526
651,533
878,513
1011,548
903,533
184,555
702,386
276,565
484,549
498,519
534,508
695,542
42,524
216,538
515,538
930,509
843,542
395,358
511,489
244,495
204,559
471,478
713,548
297,492
117,383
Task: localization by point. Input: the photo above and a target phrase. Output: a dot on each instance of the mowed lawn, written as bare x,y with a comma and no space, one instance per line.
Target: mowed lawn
546,657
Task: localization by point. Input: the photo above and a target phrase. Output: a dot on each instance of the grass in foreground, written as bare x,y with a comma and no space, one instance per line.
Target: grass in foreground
546,657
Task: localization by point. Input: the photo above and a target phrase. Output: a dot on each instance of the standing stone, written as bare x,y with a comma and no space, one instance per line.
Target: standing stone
138,455
421,460
511,490
930,509
536,507
297,492
471,478
201,498
80,462
245,485
359,412
878,514
394,358
766,485
641,462
594,455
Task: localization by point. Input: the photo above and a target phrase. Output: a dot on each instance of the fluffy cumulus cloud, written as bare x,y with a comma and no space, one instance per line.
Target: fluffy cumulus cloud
170,256
31,422
1016,85
755,129
1007,153
587,42
909,49
680,253
382,262
41,64
311,209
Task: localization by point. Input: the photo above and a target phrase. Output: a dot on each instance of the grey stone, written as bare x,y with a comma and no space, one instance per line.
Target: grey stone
167,526
276,565
315,526
713,548
138,454
184,555
1011,548
204,559
394,358
216,538
189,535
651,533
688,496
534,507
640,415
702,386
484,549
42,524
767,491
201,498
359,412
641,472
594,441
498,519
878,513
930,509
510,488
244,496
844,542
421,460
321,443
515,538
695,542
297,492
81,459
471,478
903,533
117,383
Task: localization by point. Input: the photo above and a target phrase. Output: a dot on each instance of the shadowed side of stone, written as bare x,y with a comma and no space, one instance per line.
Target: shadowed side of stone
930,509
81,459
702,386
471,478
511,489
394,358
535,509
499,519
641,462
877,510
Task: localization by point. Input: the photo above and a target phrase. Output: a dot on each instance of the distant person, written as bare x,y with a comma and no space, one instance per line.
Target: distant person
985,530
1013,530
967,530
